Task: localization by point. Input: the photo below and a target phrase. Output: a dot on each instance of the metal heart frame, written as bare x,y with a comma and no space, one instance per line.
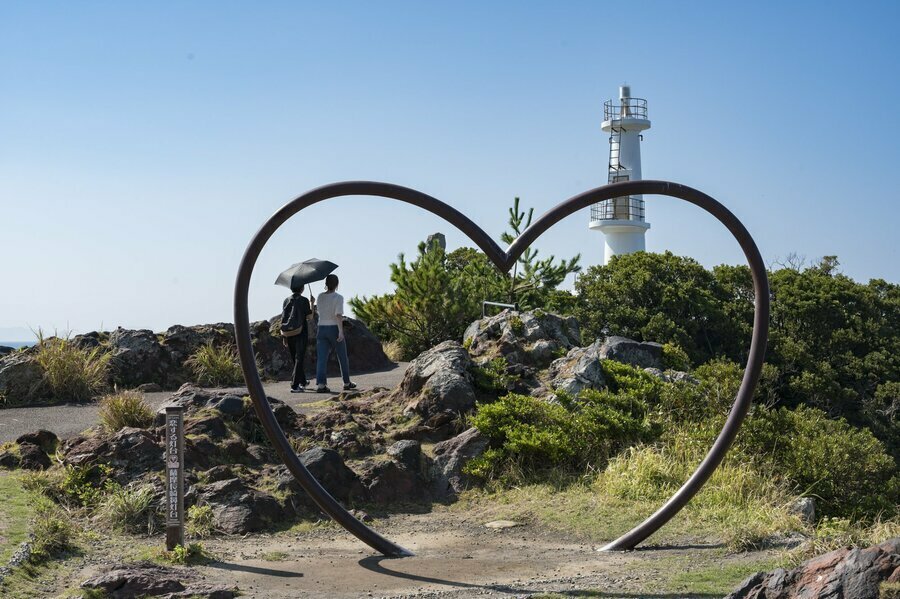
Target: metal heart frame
504,260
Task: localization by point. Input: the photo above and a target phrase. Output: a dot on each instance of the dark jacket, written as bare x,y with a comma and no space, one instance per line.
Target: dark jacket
293,315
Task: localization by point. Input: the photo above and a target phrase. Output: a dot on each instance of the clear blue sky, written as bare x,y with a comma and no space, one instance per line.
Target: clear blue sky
142,144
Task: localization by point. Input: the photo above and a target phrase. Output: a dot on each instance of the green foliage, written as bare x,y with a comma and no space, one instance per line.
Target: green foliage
72,486
194,553
216,366
53,533
126,408
846,467
675,358
492,377
438,294
528,434
128,508
200,521
72,373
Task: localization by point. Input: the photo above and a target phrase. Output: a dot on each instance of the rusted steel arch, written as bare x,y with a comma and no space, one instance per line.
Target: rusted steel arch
504,260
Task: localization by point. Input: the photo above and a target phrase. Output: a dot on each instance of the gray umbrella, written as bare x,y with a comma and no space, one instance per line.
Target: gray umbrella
305,272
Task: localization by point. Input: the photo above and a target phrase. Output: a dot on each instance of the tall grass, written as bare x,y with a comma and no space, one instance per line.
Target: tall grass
129,508
216,366
126,408
72,373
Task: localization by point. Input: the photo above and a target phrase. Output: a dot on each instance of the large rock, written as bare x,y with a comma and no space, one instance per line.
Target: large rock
5,349
635,353
450,456
527,338
137,358
180,342
136,580
329,469
579,369
239,509
32,457
388,482
438,380
855,573
21,379
131,452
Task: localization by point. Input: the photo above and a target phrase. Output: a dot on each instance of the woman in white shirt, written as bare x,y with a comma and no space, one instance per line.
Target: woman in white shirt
330,336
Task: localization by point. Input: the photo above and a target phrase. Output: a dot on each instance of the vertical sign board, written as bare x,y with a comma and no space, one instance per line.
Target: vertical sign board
174,477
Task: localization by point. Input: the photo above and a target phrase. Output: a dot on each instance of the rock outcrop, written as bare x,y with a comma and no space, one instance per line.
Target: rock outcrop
21,379
145,579
847,572
448,479
577,370
522,338
635,353
439,380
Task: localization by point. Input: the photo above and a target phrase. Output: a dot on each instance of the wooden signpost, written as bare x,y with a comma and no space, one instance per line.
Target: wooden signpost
174,477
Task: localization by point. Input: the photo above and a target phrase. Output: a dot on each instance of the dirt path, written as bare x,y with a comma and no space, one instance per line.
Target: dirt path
70,419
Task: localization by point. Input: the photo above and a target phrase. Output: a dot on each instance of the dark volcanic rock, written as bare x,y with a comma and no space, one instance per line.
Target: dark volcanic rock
136,580
44,439
21,379
5,349
329,469
438,380
855,573
32,457
628,351
137,358
131,451
450,456
239,509
390,483
407,453
212,426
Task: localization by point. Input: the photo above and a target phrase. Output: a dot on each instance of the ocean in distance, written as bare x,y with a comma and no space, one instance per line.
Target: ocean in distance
17,344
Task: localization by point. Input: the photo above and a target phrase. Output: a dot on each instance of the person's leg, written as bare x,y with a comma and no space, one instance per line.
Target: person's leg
301,358
292,348
344,363
322,347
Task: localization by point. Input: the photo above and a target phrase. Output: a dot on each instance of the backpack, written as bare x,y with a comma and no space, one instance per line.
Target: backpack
293,315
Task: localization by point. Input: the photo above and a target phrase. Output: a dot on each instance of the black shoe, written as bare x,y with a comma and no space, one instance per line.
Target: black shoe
323,389
300,389
349,386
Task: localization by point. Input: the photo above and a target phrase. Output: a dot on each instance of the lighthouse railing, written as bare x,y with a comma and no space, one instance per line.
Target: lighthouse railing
628,108
623,208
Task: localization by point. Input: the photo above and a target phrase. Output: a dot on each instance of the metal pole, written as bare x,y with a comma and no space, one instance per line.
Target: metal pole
174,477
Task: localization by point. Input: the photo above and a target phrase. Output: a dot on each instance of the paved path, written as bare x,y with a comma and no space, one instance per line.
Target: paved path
70,419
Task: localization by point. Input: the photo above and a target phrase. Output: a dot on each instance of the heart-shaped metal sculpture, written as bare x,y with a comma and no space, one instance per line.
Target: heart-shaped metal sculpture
504,260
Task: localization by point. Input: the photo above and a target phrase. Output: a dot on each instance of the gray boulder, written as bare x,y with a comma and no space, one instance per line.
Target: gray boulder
526,338
439,380
672,376
847,572
136,580
21,379
5,349
407,453
239,509
450,456
635,353
579,369
137,358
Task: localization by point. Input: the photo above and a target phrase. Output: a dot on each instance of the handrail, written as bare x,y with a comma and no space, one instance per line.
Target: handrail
486,303
630,108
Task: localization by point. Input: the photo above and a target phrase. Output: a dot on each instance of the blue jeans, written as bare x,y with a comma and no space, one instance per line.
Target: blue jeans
326,342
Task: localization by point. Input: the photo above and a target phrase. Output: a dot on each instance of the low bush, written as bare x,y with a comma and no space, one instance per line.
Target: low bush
200,521
126,408
492,377
53,533
216,366
72,373
845,467
675,358
129,508
530,435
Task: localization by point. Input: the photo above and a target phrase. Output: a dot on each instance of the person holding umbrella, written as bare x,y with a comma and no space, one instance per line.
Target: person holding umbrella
295,333
330,336
296,310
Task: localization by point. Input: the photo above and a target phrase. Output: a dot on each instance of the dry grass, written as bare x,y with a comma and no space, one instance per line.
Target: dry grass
72,373
126,408
214,366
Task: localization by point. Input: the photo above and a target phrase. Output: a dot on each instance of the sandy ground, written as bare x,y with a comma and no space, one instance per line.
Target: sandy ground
70,419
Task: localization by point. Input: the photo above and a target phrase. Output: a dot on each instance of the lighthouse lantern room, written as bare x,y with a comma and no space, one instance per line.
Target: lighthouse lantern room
621,220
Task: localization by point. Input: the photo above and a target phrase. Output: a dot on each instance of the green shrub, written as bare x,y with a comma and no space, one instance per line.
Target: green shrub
194,553
216,366
200,521
675,358
516,324
492,376
53,533
531,435
846,467
126,408
72,373
73,486
129,508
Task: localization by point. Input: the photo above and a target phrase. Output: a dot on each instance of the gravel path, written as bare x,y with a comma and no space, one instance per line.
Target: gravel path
70,419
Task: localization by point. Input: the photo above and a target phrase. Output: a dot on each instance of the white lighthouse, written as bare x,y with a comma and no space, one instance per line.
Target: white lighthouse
621,220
